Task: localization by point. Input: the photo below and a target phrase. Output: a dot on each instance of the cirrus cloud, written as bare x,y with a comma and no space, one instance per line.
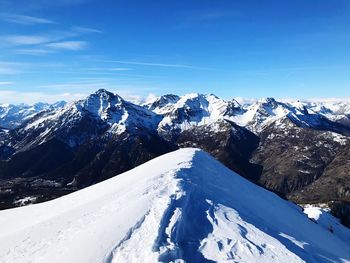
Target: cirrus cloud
18,40
68,45
25,20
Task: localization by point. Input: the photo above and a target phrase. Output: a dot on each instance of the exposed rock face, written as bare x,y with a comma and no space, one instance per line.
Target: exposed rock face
228,142
305,165
341,209
294,157
334,184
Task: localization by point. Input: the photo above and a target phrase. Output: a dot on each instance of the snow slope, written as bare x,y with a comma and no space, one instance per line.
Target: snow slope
323,217
183,205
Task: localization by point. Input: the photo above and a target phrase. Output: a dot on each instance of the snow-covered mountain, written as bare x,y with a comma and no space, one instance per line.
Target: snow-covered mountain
87,141
181,207
288,147
179,113
12,116
334,110
182,113
101,113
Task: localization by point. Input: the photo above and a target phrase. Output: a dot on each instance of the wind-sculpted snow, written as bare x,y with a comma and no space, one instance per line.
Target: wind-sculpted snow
184,205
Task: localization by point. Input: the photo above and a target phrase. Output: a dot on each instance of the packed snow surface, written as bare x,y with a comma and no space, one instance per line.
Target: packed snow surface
323,217
181,207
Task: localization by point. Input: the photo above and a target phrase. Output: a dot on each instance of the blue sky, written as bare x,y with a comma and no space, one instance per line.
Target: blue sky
65,49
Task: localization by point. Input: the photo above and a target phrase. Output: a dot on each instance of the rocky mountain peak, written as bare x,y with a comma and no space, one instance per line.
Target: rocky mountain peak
161,102
103,104
270,100
104,96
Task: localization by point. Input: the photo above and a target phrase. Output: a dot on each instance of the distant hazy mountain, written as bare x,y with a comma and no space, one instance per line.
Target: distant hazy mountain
12,116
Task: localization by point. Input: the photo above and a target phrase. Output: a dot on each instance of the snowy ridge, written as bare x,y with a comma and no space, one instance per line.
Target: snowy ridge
184,205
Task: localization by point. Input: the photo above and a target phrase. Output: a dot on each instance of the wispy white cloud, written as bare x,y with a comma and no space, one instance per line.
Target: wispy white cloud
8,71
39,43
318,100
108,69
166,65
68,45
81,29
290,70
6,83
18,40
290,100
9,68
33,51
139,100
25,20
25,6
37,39
77,86
244,101
65,91
43,43
15,97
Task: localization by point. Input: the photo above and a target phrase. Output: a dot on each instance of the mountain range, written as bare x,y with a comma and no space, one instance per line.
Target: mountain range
299,150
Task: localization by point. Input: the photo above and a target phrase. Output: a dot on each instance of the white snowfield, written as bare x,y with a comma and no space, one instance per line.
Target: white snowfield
181,207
